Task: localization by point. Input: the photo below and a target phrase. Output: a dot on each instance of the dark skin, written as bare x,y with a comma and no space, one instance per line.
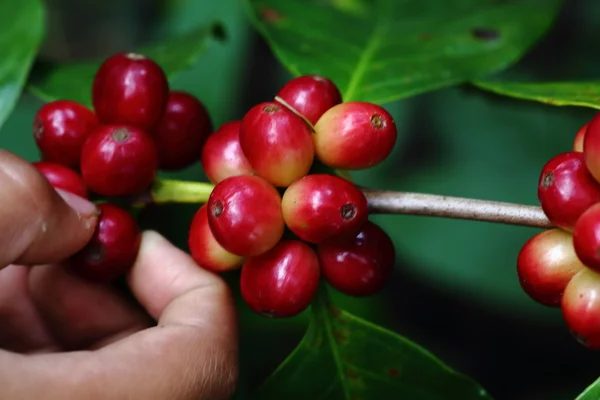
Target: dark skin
62,337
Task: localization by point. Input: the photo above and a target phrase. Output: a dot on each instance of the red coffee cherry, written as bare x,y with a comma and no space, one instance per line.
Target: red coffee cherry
205,249
360,265
119,160
566,189
310,96
581,307
61,177
320,207
182,131
546,264
222,155
354,135
281,282
113,248
277,143
586,237
60,129
579,137
130,89
591,147
244,214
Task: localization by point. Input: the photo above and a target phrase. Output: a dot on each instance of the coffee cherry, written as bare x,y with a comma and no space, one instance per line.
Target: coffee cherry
112,249
281,282
310,96
182,131
222,155
320,207
546,264
61,177
566,189
591,147
586,237
119,160
581,307
277,143
244,214
354,135
360,265
130,89
579,137
60,128
205,249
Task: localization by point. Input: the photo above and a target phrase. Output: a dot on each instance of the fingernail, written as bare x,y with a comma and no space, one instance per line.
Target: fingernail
83,207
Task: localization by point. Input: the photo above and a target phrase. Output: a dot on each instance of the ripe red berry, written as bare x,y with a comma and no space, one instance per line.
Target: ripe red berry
581,307
113,248
244,214
359,265
579,138
320,207
130,89
222,155
281,282
182,131
566,189
546,264
119,160
354,135
205,249
60,129
277,143
310,96
591,147
586,237
61,177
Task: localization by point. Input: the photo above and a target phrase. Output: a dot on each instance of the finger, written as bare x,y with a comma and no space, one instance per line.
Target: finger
81,314
37,223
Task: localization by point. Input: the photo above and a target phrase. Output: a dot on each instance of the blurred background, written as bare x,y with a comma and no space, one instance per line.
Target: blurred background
455,290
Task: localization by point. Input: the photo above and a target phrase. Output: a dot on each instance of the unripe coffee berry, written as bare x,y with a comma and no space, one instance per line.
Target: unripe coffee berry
310,96
112,249
566,189
320,207
182,131
130,89
586,237
205,249
61,177
581,307
277,143
60,129
281,282
354,135
244,214
359,265
222,155
579,138
546,264
119,160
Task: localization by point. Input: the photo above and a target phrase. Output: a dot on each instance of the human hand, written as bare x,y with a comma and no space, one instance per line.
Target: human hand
62,337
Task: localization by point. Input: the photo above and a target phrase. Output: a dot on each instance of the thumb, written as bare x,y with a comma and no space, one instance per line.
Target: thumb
39,224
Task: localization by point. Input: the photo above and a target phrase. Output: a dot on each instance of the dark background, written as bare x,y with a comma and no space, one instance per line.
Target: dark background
455,289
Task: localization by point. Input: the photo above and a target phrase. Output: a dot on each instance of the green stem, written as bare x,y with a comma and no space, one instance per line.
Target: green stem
165,191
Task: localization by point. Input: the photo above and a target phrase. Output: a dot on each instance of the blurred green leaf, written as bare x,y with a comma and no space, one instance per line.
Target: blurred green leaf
592,392
345,357
23,27
73,81
386,50
584,94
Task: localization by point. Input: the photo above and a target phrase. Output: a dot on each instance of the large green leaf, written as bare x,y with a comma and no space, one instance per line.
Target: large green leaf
23,27
592,392
345,357
73,81
584,94
384,50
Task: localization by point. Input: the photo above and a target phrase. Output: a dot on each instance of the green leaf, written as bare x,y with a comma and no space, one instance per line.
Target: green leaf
583,94
73,81
23,28
385,50
345,357
592,392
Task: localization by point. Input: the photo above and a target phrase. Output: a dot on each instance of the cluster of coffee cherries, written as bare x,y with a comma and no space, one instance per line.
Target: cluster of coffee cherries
560,267
137,126
272,214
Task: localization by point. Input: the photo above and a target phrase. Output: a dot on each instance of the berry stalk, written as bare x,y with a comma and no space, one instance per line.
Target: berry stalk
164,191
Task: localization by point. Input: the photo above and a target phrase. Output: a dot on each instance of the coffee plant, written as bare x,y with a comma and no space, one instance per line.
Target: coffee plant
287,190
